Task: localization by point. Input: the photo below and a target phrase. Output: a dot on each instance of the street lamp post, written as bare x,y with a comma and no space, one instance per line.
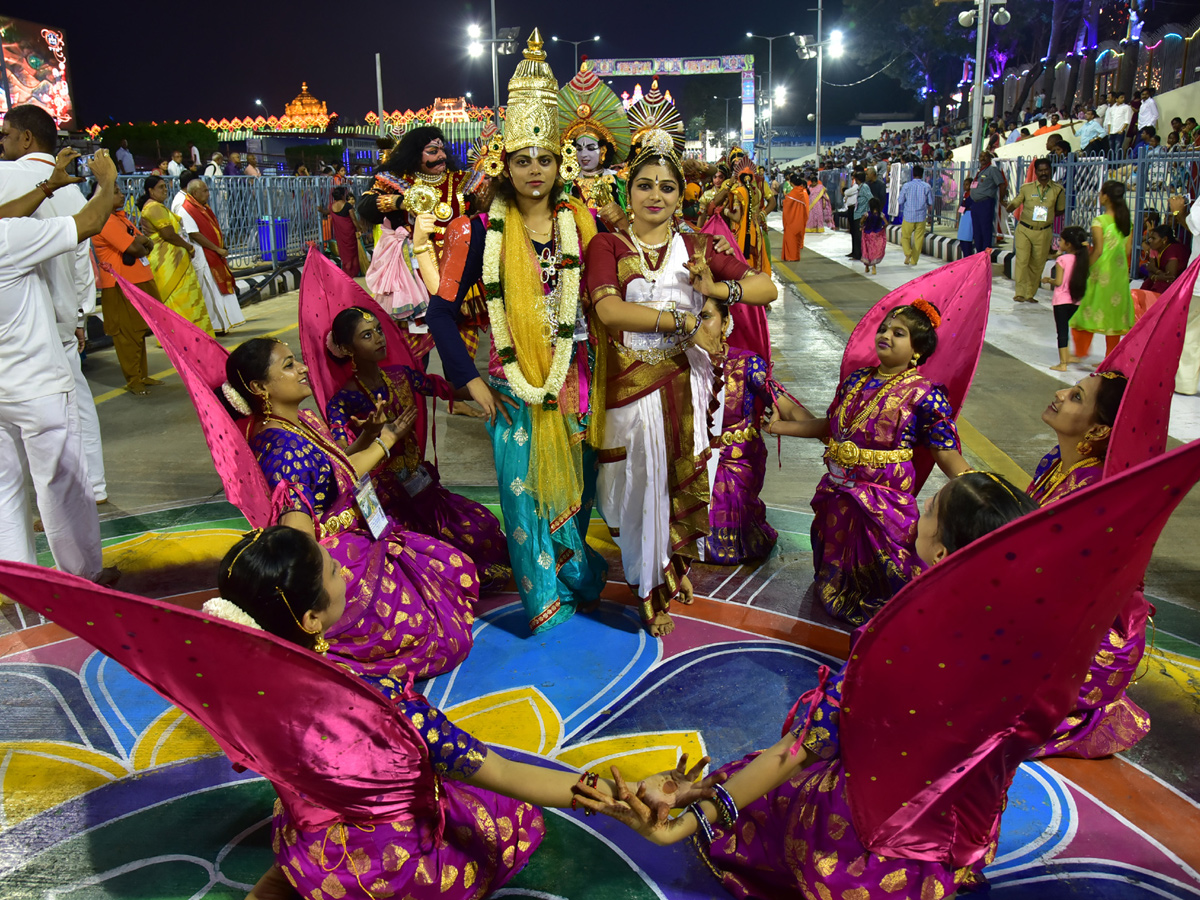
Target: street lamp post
770,77
500,42
982,13
727,99
806,48
576,44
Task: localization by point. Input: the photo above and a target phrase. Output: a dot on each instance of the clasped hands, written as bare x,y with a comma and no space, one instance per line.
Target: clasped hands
647,808
380,425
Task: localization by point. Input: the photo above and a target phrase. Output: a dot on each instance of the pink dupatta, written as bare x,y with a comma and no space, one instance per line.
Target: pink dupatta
200,361
750,330
962,291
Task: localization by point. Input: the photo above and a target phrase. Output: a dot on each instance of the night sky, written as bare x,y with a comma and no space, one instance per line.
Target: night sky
179,61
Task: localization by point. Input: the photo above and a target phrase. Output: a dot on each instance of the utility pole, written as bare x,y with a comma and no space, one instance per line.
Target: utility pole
379,92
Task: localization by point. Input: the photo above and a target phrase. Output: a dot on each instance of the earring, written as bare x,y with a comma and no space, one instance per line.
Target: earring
916,357
320,645
266,402
353,365
1084,447
632,214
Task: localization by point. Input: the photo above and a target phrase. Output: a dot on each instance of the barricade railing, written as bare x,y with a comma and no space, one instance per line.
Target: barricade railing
264,221
1150,180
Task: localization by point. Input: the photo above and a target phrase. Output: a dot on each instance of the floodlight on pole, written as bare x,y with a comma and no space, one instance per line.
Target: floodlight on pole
576,44
836,46
474,32
474,49
770,75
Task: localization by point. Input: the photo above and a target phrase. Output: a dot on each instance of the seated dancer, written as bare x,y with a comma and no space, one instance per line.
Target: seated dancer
411,595
648,290
781,822
737,517
528,250
593,119
921,816
409,487
1105,720
379,794
865,507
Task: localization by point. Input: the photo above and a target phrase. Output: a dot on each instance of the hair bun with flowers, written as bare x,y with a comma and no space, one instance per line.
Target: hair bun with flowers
331,345
928,310
220,608
235,399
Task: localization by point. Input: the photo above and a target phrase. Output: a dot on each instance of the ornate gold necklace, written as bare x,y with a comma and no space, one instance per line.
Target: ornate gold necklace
1056,475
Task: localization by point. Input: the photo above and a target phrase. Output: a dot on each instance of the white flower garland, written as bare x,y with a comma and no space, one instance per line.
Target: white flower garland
220,608
568,305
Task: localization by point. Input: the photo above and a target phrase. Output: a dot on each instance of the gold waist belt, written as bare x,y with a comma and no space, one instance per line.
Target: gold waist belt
652,355
343,521
738,436
847,454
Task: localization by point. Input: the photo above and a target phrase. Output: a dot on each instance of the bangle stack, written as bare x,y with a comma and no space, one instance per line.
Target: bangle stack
698,811
725,806
735,292
591,779
419,250
382,446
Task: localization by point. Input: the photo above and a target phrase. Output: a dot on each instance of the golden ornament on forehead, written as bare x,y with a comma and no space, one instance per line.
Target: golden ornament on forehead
420,199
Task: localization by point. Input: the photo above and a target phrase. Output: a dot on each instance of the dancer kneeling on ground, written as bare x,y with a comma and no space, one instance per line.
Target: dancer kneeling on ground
794,831
411,596
1105,720
864,507
485,820
409,487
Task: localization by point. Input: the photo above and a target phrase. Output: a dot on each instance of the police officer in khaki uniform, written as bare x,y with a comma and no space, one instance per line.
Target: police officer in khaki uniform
1040,201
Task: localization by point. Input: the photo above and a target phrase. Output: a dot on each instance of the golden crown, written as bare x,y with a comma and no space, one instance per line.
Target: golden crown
531,117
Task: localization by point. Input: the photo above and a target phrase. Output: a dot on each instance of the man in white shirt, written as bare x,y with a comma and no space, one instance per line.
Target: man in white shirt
1118,119
193,155
37,414
216,167
1148,111
1187,378
1102,111
175,166
27,137
125,159
223,310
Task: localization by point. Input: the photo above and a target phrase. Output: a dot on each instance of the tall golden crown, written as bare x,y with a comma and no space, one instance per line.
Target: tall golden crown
531,117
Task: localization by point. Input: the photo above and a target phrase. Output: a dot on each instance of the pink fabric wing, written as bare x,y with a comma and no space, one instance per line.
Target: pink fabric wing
962,291
978,660
750,331
325,290
1149,356
200,361
334,743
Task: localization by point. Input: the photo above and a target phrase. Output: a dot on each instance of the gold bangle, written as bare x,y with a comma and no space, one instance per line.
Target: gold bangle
424,249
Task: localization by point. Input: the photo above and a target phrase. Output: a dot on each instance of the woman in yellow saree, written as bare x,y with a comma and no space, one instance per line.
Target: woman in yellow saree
171,257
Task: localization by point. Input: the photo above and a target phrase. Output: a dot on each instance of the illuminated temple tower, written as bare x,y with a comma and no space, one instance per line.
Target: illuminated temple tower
305,105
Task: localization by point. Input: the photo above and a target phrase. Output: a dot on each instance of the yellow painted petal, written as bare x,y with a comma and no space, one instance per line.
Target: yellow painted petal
39,775
521,718
156,550
170,738
600,538
636,755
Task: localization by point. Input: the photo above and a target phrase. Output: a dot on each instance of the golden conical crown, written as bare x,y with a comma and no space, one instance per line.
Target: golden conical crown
531,117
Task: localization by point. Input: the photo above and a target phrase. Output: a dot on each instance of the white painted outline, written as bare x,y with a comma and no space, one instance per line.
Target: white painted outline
1044,776
1103,876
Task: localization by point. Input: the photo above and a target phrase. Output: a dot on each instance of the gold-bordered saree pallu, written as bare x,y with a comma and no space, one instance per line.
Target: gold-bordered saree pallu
654,484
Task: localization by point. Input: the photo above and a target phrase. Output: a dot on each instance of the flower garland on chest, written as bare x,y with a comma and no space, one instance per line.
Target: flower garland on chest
567,289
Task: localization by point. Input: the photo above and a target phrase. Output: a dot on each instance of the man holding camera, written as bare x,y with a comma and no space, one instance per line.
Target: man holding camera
39,422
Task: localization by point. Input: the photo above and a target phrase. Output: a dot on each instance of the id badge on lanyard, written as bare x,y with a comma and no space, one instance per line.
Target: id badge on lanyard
370,508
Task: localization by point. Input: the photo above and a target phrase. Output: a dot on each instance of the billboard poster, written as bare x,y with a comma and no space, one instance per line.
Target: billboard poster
35,70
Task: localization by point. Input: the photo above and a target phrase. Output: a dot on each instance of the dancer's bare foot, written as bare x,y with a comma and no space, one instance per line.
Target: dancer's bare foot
1076,359
462,408
687,594
661,625
1060,367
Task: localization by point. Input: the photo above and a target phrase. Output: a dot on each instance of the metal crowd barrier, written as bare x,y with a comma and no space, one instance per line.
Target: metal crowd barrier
264,221
1150,181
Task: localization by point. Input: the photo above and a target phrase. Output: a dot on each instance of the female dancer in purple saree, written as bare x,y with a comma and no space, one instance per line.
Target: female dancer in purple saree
380,794
737,517
865,507
1105,720
790,821
409,486
411,596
